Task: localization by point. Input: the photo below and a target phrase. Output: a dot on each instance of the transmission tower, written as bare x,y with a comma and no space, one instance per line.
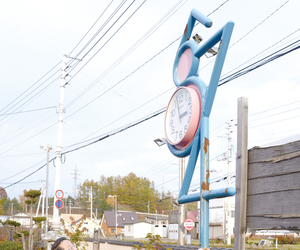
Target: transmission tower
75,177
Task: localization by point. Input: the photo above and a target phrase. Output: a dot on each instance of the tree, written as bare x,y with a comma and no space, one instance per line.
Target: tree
10,245
153,243
75,232
15,226
6,205
32,196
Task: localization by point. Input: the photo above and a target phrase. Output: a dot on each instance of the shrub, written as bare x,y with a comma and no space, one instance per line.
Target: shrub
10,245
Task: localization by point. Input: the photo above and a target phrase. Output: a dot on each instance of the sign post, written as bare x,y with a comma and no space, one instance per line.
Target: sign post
189,224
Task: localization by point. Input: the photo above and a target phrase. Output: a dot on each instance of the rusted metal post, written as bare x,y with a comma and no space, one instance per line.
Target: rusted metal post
204,183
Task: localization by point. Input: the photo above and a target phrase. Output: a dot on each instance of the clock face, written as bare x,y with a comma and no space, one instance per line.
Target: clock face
182,117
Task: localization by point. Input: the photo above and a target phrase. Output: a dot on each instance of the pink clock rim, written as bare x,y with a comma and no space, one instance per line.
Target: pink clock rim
195,118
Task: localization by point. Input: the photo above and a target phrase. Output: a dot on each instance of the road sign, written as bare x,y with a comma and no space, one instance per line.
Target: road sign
59,204
189,224
59,194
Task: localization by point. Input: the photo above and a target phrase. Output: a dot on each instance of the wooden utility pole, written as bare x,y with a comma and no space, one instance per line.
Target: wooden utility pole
241,175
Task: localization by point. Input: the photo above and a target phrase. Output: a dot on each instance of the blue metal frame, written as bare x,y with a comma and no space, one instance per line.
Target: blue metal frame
200,142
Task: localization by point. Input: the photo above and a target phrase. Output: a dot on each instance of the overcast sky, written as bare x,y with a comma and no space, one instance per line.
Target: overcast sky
116,84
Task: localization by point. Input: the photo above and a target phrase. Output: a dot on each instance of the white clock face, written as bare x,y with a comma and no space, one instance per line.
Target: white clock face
178,115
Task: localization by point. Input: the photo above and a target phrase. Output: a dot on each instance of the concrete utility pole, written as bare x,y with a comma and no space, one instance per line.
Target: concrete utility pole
91,203
229,183
47,148
181,208
55,223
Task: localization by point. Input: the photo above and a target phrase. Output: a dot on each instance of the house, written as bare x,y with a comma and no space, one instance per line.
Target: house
108,222
215,226
137,230
22,218
78,218
157,220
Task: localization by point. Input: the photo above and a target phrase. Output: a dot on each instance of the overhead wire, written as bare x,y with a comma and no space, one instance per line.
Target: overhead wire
223,83
111,36
142,39
150,59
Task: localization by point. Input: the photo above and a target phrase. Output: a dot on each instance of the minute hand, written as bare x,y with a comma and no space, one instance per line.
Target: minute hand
178,109
183,114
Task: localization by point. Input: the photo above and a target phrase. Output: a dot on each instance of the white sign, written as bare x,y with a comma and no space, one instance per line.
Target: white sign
59,194
189,224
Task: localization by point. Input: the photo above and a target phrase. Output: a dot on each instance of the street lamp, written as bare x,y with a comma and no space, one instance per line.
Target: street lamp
47,148
181,207
116,213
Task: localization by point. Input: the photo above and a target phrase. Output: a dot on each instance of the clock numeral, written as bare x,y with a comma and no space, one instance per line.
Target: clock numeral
173,113
180,134
171,123
181,98
173,130
185,128
176,134
189,101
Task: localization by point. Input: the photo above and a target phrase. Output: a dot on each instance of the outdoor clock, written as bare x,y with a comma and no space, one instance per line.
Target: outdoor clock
183,116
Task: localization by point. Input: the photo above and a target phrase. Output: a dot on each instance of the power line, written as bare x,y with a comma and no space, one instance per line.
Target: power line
110,37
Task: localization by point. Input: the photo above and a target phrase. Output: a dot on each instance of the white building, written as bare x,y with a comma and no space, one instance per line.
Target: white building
137,230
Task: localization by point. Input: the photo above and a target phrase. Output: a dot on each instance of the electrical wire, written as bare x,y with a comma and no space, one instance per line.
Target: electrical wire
222,84
110,37
142,39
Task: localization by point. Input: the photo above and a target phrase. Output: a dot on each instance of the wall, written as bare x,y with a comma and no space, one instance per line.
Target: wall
273,187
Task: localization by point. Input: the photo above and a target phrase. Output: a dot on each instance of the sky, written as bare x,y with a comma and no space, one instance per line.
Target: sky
123,76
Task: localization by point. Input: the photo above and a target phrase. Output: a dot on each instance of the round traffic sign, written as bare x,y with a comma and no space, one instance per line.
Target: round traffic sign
59,204
59,194
189,224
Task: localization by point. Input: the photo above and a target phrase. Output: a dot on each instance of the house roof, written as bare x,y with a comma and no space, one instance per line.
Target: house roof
158,217
145,222
192,215
67,219
123,217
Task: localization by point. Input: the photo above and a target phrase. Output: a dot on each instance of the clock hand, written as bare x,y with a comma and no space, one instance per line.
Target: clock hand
178,109
183,114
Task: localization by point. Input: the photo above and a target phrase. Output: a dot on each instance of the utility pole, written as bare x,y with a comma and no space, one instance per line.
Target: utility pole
91,203
47,148
55,223
229,183
43,202
70,204
181,208
12,209
148,206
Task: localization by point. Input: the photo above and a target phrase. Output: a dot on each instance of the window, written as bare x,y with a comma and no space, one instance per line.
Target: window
131,218
124,218
113,230
104,220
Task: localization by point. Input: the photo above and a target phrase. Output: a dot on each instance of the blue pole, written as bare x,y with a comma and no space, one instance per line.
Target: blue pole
204,182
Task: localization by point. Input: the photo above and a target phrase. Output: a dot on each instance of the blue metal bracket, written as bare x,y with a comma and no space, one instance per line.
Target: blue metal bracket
200,142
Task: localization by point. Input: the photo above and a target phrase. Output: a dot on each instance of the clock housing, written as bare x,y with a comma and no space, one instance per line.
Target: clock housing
183,116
